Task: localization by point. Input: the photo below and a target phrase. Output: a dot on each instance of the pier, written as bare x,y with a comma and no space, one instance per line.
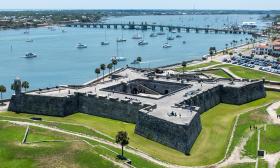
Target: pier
170,28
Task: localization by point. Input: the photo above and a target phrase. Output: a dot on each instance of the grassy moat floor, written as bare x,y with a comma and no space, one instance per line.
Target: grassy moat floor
209,148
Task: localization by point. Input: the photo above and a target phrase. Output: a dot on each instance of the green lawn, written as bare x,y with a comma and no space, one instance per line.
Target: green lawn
278,165
270,139
218,72
251,146
65,154
256,117
213,138
244,72
278,111
262,163
244,165
193,67
71,153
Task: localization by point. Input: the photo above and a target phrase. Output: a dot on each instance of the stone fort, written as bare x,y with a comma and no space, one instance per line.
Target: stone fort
166,108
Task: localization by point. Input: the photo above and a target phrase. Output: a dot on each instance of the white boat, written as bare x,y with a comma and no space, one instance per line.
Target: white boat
120,40
160,33
105,42
29,40
166,45
119,59
63,31
135,62
30,55
137,36
142,42
153,35
173,31
80,46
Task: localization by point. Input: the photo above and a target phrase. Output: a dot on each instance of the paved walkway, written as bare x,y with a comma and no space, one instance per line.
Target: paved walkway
272,112
231,73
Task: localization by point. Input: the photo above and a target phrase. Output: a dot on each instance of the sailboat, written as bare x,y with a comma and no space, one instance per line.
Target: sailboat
26,31
105,42
166,45
120,40
117,57
143,42
137,36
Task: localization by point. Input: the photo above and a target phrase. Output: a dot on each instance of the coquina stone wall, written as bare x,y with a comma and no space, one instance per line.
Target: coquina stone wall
44,105
179,137
122,110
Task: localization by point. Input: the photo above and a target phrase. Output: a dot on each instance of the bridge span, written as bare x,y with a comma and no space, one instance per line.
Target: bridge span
145,26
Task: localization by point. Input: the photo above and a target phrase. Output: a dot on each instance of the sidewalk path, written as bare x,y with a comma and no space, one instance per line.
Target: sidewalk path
272,112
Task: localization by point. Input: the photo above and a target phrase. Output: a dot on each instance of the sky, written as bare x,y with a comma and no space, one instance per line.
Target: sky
141,4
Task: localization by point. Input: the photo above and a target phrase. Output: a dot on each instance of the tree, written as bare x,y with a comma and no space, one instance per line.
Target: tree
114,62
97,71
230,54
2,90
122,139
184,64
103,68
109,67
25,85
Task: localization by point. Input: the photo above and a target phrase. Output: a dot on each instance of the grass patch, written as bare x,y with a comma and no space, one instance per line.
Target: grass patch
262,163
251,146
197,66
244,165
217,72
71,153
278,111
270,139
256,117
214,136
248,73
278,165
64,154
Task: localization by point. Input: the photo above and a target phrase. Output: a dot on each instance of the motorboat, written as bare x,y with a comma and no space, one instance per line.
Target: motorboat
80,46
173,31
105,43
153,35
30,55
178,36
119,59
29,40
121,40
170,38
166,45
142,42
63,31
160,33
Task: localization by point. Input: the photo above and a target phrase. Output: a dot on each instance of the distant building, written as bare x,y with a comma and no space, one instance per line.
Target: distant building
275,48
262,49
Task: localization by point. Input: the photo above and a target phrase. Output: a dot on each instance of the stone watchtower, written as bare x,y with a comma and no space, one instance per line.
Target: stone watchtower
17,86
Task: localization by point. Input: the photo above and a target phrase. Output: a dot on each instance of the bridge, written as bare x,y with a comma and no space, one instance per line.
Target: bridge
145,26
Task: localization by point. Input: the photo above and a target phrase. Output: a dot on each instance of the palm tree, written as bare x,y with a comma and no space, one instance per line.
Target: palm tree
109,67
114,62
2,90
184,64
97,71
25,85
103,68
122,139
